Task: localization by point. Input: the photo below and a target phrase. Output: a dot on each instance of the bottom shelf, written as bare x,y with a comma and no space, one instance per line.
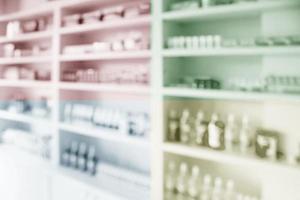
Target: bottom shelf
113,187
108,187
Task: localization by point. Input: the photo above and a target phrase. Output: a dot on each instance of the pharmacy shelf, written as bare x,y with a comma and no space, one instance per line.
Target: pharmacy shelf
24,157
88,182
243,51
235,159
25,60
111,188
122,23
121,88
23,118
43,10
25,83
104,134
228,11
42,35
106,56
229,95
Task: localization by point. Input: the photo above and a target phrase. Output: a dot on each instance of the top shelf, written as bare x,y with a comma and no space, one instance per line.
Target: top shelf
29,13
229,11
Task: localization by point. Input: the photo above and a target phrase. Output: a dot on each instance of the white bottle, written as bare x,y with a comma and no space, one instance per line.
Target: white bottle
230,133
170,179
245,136
194,183
205,3
182,180
185,126
216,133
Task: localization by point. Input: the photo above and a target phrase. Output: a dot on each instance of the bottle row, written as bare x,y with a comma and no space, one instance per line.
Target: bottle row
12,50
131,10
35,143
231,136
25,73
185,182
268,83
217,41
19,103
80,156
196,4
117,120
132,41
16,28
132,74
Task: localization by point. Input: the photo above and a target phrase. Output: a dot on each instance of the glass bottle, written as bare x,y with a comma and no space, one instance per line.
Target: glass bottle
230,133
170,180
201,129
245,136
185,126
194,183
173,126
217,193
182,180
216,133
230,190
206,188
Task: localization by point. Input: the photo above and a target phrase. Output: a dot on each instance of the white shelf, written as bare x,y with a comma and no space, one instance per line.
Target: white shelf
122,23
121,88
38,11
25,83
243,51
104,134
25,60
27,37
228,95
228,11
227,157
23,118
106,56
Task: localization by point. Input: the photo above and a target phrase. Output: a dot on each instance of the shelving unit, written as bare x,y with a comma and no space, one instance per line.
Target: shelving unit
241,20
62,92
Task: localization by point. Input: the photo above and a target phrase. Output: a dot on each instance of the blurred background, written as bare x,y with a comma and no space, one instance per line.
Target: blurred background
161,100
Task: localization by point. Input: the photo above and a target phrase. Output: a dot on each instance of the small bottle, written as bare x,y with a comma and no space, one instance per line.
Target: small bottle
206,190
173,125
230,133
194,183
185,126
245,136
217,193
201,129
170,180
230,190
216,133
182,180
205,3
